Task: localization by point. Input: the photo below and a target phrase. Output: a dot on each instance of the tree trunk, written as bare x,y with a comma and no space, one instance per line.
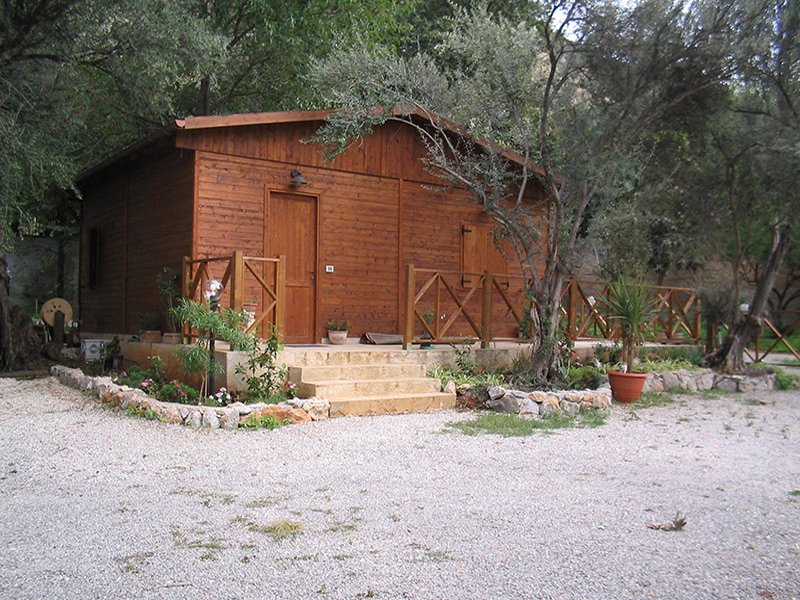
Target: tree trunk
546,319
6,344
729,357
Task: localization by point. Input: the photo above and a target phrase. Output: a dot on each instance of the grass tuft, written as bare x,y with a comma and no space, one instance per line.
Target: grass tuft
513,426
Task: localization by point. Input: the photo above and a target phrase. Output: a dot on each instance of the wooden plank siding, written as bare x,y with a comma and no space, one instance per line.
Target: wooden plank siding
360,232
144,215
377,210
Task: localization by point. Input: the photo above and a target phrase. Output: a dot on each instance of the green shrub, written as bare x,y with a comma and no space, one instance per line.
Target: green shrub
784,381
264,422
175,391
266,379
584,377
133,377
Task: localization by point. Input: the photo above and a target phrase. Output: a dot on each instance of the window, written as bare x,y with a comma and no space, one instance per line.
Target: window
479,254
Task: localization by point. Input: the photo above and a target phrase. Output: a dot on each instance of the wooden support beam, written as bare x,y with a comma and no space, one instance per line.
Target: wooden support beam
280,293
486,310
237,280
411,284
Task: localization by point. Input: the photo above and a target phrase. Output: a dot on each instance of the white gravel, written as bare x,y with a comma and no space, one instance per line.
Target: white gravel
98,504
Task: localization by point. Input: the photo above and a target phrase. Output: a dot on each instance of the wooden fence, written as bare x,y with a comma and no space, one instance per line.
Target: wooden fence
248,281
676,312
439,309
789,321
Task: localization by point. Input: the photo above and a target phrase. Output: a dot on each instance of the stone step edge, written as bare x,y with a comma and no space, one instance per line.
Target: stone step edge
435,400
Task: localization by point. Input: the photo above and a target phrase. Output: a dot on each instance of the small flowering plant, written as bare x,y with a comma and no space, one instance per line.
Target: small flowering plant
290,390
175,391
223,397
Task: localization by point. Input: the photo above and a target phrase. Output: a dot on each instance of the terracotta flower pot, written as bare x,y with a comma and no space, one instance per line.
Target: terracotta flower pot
337,337
626,387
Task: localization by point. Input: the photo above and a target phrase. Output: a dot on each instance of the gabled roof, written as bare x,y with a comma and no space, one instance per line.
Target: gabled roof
270,118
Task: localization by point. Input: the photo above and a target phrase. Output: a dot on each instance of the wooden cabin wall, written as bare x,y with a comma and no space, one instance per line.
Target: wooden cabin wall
143,213
392,150
369,229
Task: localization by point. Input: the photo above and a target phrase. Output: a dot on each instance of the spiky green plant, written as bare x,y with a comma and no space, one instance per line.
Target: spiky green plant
631,308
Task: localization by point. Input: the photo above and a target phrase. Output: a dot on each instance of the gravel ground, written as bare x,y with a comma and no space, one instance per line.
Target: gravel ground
98,504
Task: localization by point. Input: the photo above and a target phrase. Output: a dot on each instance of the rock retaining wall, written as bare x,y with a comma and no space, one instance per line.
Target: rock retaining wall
538,404
706,379
233,416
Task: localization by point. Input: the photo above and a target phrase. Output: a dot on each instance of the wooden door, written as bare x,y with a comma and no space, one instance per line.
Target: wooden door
292,232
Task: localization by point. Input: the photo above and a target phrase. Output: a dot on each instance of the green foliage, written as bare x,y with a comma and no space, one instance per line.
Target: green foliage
584,377
167,282
479,378
157,368
226,325
784,381
176,391
263,422
662,365
466,371
651,399
464,360
338,325
631,309
144,413
133,376
514,426
265,377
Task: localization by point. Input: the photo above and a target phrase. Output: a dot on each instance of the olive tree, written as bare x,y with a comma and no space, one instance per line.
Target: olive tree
571,91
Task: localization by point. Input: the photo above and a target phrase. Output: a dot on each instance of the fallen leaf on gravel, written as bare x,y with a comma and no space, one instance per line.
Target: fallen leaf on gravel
676,524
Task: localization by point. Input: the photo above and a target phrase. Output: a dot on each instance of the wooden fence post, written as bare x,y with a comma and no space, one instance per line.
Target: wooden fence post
186,286
280,294
486,310
697,315
237,280
411,292
572,306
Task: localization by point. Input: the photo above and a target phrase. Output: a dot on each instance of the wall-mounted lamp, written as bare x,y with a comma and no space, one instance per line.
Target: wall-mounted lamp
297,178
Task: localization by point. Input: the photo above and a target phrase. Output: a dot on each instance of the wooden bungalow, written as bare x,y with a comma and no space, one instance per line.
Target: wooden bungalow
219,186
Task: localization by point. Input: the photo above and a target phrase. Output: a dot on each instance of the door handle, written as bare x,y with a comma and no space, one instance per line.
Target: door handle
313,275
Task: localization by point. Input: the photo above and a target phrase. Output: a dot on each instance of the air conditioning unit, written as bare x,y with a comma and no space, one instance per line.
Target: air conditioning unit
92,349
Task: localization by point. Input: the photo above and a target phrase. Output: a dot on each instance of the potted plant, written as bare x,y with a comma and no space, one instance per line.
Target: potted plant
630,309
337,331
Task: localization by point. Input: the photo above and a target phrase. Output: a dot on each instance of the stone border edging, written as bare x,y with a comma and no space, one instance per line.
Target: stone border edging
571,402
297,410
706,379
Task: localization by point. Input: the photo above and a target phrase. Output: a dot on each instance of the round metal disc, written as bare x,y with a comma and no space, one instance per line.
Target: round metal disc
52,306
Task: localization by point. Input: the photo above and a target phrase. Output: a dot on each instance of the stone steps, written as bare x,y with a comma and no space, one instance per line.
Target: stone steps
394,404
355,372
366,387
367,383
302,357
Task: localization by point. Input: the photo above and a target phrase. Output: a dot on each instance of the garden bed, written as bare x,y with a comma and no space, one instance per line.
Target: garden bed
233,416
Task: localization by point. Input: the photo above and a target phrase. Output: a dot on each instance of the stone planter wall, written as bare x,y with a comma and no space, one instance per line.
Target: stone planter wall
537,404
706,379
233,416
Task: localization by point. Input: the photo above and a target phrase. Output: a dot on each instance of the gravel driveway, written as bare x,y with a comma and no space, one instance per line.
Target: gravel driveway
98,504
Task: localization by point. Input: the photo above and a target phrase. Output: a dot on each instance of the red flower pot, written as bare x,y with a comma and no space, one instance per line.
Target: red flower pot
626,387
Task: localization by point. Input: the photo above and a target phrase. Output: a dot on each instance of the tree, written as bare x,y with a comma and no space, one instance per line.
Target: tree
572,92
69,69
761,176
80,79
